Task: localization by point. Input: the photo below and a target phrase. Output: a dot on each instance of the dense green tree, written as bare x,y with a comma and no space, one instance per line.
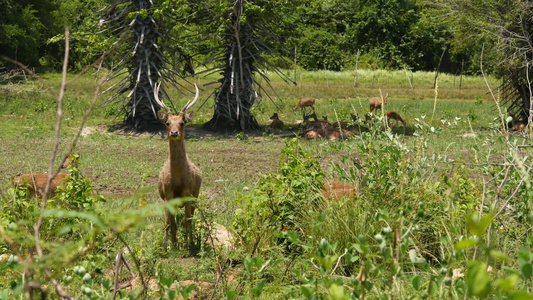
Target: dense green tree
25,26
503,31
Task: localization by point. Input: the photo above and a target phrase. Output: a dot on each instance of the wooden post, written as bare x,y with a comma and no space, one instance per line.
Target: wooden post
356,62
438,67
407,74
295,52
375,67
461,75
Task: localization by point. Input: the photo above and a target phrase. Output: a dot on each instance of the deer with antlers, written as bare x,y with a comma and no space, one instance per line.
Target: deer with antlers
179,177
375,102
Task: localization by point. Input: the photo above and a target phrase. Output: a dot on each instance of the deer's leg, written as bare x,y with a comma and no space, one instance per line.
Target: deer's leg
189,212
170,224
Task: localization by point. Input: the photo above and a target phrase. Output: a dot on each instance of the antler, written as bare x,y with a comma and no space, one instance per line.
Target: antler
156,97
189,103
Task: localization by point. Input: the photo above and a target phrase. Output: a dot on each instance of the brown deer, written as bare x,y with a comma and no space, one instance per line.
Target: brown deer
375,102
276,122
334,135
313,135
36,182
305,102
179,177
336,190
518,126
396,116
341,124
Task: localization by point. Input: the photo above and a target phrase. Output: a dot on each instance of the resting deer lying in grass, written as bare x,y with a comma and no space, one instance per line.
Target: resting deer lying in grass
305,102
518,126
396,116
36,182
312,134
276,122
336,190
341,124
375,102
179,177
334,135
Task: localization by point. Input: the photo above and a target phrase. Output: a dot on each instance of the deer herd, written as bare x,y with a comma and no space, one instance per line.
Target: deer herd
181,178
313,128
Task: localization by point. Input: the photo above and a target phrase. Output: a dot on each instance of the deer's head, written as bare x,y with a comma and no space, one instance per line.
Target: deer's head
175,123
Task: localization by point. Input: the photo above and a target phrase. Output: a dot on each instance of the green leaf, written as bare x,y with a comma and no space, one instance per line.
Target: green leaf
307,292
413,256
476,226
498,255
167,281
258,289
521,295
526,270
337,292
509,284
478,279
172,294
416,282
465,244
231,294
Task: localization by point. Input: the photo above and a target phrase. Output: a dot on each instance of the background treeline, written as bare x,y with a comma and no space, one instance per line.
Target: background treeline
324,34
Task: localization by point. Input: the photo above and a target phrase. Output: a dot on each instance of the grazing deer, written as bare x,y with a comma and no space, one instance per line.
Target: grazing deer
334,135
305,102
375,102
36,182
396,116
336,190
276,122
179,177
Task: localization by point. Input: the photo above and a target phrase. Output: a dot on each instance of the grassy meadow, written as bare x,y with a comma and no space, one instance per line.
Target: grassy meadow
442,207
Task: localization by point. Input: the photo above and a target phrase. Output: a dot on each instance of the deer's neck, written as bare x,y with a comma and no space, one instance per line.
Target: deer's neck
177,155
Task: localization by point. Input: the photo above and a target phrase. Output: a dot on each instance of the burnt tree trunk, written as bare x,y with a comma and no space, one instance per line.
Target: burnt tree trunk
237,92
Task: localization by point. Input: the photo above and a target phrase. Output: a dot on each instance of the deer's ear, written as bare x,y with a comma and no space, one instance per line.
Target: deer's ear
188,116
162,116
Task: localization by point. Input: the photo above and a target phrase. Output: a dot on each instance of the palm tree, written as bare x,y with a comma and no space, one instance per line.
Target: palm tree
141,62
247,35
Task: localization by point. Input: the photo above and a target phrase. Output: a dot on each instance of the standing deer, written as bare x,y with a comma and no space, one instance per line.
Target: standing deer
276,122
179,177
396,116
375,102
305,102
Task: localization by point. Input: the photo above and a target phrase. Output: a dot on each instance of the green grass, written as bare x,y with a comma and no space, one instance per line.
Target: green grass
427,179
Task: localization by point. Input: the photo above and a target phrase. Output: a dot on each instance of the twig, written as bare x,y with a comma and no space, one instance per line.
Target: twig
137,264
338,261
59,290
